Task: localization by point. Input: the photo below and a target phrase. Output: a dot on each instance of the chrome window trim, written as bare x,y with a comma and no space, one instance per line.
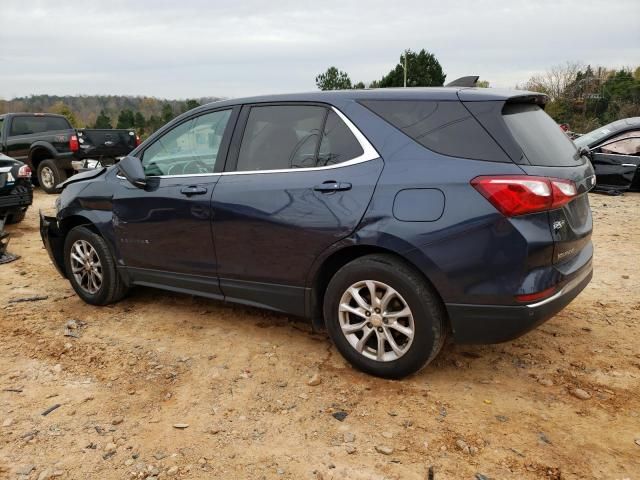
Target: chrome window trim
368,153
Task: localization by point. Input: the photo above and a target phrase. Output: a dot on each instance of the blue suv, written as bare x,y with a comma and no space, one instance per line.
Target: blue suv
392,218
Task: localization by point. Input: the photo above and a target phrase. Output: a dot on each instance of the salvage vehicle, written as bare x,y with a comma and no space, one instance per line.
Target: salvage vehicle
16,191
54,150
615,154
391,217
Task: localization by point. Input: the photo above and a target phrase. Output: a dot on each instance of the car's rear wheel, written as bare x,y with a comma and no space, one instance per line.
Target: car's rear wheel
50,175
383,316
91,269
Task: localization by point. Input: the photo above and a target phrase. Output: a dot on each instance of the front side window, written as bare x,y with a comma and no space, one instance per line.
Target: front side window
627,143
189,148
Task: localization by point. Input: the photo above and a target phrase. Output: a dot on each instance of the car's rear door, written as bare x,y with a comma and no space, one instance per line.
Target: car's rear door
299,178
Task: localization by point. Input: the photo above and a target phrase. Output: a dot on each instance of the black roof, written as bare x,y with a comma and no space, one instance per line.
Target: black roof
30,114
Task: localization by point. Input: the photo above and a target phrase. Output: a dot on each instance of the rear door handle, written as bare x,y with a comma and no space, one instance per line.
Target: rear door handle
332,186
193,190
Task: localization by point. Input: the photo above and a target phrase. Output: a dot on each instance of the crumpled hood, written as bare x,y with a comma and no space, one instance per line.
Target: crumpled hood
86,175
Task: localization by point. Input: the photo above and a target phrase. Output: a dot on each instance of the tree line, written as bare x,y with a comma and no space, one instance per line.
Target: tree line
586,97
144,114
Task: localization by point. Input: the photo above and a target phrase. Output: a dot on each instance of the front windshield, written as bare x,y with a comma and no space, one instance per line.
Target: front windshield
594,136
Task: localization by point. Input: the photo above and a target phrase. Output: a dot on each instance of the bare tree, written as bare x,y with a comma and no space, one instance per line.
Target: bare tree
554,81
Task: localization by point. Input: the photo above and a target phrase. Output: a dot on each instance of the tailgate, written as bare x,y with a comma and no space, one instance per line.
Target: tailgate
550,153
106,142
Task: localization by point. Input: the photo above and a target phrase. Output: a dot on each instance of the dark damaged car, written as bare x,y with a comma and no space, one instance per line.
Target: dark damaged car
615,154
16,191
393,217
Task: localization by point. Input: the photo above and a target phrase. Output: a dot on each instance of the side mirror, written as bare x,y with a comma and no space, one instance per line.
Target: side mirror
585,152
131,169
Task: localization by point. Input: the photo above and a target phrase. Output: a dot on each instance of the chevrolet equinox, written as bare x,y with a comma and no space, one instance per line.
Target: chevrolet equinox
392,217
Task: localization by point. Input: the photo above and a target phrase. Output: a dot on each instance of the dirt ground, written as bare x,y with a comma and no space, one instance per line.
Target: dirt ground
165,385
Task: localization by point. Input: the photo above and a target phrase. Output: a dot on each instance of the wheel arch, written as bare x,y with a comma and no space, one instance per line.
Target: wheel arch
334,262
80,219
38,153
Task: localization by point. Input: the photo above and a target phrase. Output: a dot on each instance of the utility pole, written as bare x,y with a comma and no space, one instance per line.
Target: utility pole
405,69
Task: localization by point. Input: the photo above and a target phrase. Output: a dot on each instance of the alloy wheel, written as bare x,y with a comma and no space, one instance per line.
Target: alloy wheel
376,320
46,177
86,266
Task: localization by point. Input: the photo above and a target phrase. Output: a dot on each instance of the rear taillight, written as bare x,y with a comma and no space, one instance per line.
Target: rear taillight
516,195
24,172
74,145
137,140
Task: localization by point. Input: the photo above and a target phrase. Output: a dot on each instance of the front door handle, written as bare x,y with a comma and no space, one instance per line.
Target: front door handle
332,186
193,190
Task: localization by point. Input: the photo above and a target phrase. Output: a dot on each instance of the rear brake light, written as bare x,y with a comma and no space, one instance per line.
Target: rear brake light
24,172
74,145
532,297
516,195
138,140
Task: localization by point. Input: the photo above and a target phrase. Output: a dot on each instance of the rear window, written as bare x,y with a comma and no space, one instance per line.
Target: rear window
444,127
541,139
28,125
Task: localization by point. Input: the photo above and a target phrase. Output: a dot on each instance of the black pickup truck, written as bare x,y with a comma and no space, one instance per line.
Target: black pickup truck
55,150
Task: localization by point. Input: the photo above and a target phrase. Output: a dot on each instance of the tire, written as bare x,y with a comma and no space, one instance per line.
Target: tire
406,288
16,217
50,175
85,244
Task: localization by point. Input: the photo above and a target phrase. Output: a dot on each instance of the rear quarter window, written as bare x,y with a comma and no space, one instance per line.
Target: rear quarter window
542,141
444,127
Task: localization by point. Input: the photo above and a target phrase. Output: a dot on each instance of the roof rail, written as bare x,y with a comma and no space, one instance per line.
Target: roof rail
469,81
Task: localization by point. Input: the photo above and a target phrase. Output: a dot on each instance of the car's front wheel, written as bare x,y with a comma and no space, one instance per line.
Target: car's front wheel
383,316
91,269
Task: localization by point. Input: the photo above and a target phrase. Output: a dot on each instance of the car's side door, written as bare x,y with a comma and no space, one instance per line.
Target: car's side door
616,161
163,232
299,179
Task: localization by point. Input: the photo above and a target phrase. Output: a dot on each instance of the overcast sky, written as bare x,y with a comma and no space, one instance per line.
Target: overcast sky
197,48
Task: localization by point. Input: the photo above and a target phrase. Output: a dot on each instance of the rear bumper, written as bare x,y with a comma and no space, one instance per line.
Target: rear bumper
13,202
53,241
483,324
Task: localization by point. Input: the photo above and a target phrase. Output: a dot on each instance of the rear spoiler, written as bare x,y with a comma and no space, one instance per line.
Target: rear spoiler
469,81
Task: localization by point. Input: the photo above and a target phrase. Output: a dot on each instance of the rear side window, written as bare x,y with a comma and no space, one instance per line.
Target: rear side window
541,139
29,125
280,137
443,127
338,143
